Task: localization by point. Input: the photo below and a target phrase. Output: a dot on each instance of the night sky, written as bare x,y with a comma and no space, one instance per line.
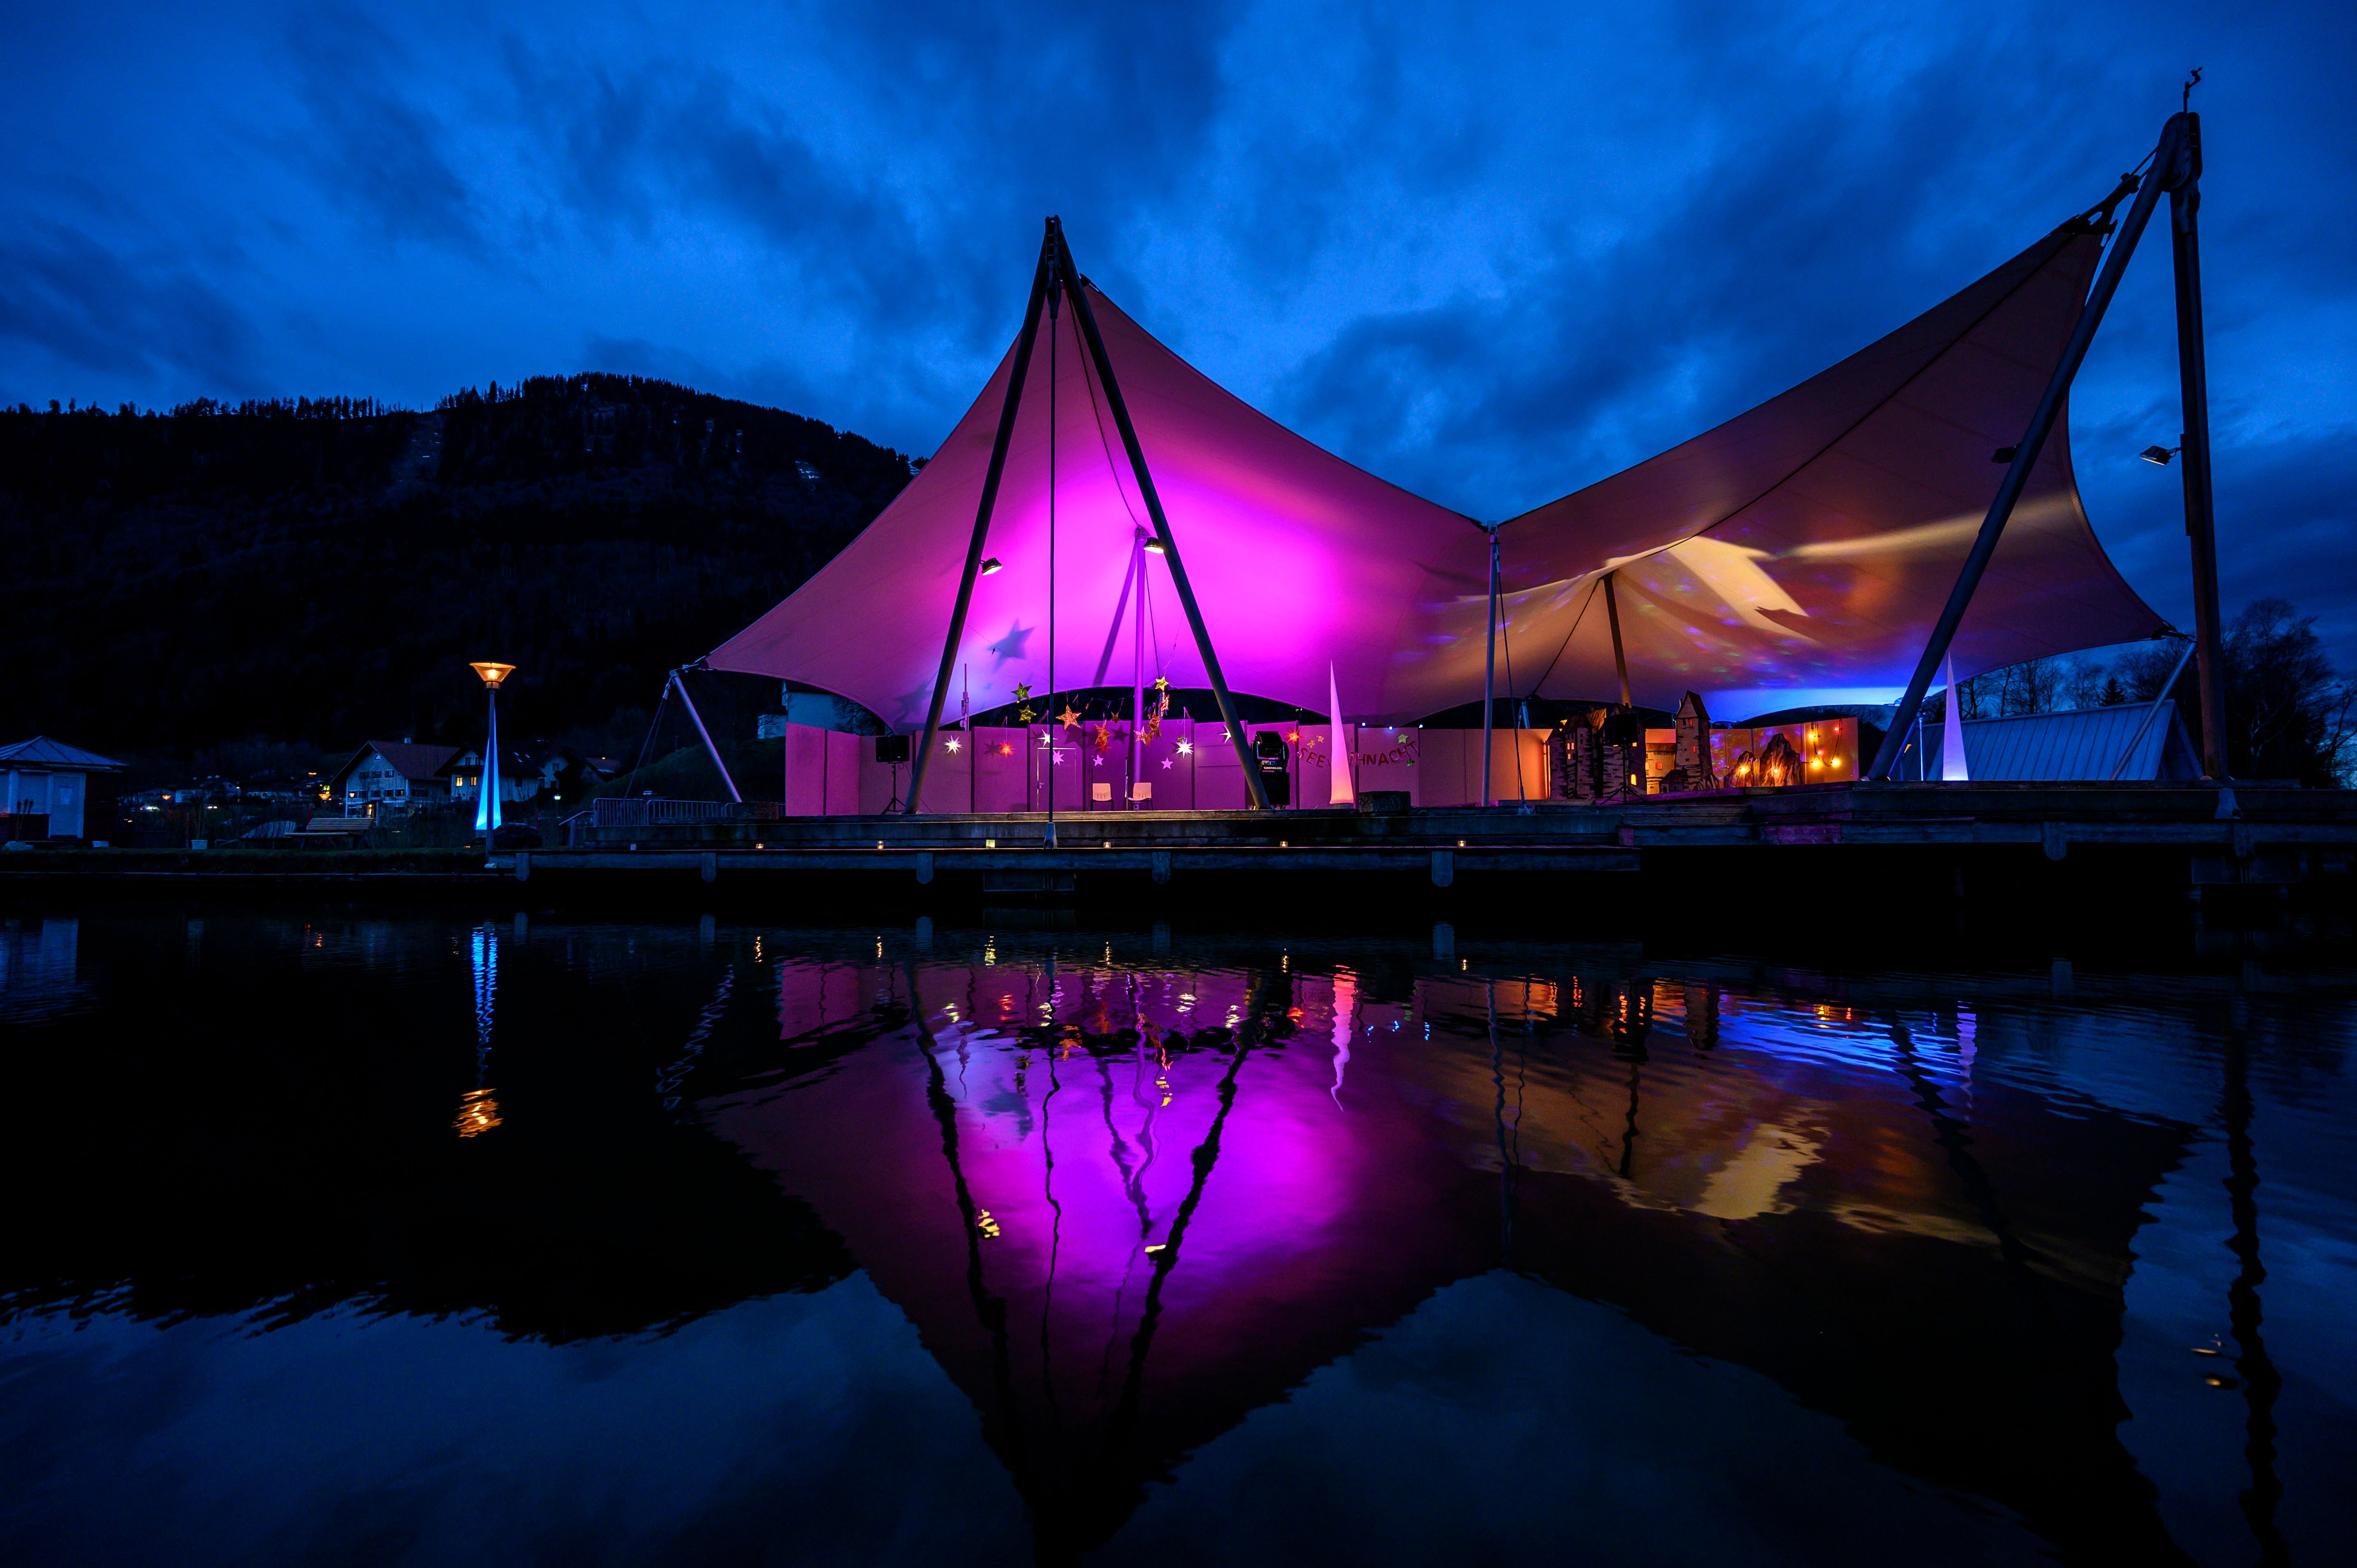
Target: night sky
1492,253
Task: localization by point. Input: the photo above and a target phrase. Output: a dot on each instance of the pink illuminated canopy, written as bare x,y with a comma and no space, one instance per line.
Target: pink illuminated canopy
1298,560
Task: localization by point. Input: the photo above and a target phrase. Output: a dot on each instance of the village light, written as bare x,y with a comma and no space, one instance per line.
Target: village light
487,782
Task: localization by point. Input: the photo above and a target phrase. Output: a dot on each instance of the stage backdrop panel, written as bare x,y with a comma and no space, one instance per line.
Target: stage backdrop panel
1450,770
1002,781
821,771
1387,759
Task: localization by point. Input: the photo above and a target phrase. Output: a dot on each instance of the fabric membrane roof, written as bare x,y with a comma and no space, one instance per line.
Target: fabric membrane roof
1809,545
1798,551
1296,558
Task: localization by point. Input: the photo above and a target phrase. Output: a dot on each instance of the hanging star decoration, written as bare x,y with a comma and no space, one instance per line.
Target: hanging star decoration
1105,738
954,745
1024,714
1069,718
1186,748
1160,709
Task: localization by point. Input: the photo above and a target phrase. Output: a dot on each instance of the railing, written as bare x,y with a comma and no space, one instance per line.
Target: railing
650,810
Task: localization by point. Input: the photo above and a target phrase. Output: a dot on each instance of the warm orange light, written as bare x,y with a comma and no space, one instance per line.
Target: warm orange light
493,675
478,1112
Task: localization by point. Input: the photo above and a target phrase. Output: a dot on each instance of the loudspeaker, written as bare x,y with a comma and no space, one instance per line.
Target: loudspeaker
892,748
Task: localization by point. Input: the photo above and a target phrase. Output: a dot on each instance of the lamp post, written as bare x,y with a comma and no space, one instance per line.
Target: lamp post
487,785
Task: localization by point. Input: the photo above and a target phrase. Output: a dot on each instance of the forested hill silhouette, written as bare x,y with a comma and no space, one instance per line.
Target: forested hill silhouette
318,572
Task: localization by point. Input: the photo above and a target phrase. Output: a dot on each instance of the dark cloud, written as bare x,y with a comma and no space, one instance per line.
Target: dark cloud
375,151
1491,253
65,295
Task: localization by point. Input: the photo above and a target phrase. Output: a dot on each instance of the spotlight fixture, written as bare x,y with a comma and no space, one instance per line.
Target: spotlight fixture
2159,456
1153,543
990,565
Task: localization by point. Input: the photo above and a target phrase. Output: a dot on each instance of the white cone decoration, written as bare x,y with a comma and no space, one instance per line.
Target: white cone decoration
1952,767
1343,792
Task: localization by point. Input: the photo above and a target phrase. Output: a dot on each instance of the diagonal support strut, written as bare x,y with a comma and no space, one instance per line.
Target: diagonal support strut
2166,171
1017,375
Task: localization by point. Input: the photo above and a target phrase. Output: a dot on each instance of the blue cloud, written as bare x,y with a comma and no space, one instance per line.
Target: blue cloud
1492,254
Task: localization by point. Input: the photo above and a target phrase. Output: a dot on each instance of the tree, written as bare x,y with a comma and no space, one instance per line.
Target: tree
2286,710
2113,695
2142,670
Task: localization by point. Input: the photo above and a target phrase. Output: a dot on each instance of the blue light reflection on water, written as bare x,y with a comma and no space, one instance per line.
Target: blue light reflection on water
817,1423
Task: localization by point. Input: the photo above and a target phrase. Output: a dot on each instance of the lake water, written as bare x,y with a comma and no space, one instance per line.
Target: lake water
421,1238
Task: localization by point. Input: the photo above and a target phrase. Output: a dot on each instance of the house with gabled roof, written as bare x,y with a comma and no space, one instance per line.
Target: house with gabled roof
44,787
392,776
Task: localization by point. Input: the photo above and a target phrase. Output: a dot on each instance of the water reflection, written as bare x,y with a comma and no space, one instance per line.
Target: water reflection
1126,1205
38,965
1212,1237
479,1111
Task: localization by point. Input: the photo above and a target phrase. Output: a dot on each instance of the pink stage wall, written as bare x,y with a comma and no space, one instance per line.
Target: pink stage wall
1188,766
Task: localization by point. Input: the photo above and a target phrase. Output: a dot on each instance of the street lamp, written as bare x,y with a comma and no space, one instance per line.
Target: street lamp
487,784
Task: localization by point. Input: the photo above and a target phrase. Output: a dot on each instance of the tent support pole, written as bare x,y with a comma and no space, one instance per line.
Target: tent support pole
1620,654
2193,384
2165,171
2151,714
1136,667
713,751
1015,377
1070,277
1490,667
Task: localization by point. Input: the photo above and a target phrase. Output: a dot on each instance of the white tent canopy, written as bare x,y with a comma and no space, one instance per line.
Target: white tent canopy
1800,550
1808,546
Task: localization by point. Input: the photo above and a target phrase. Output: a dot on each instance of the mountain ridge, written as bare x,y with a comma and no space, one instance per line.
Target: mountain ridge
314,571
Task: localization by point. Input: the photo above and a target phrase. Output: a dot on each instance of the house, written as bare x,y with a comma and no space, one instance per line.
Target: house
392,776
46,786
519,780
567,772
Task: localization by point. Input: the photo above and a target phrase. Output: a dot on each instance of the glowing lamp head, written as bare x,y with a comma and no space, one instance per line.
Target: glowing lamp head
493,675
2158,455
991,565
1154,546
